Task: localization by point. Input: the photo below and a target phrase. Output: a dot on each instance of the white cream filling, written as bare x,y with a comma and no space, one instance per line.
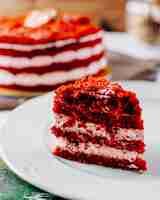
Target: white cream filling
95,149
31,79
40,61
97,130
37,18
59,43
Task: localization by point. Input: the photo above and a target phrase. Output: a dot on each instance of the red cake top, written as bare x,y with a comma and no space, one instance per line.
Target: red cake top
96,86
51,26
97,99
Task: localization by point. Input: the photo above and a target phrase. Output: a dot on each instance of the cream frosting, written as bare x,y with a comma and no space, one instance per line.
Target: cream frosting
52,78
98,130
95,149
58,43
37,18
41,61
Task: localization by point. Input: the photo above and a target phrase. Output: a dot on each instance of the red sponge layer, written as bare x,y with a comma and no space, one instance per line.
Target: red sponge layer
137,165
46,88
99,101
54,67
76,137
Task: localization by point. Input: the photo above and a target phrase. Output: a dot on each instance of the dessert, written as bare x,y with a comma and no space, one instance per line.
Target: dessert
45,48
98,122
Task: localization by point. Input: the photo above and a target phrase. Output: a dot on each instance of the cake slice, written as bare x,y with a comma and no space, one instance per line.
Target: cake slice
98,122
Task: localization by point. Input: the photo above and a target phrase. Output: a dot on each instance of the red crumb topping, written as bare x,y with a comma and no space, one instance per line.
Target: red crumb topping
99,101
65,26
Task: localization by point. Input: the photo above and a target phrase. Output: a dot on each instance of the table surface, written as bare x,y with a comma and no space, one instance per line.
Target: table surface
123,67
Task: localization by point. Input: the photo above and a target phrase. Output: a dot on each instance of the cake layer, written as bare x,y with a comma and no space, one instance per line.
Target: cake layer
52,51
52,78
104,103
21,49
109,120
56,66
76,131
137,165
98,154
13,29
133,145
73,130
13,90
70,124
41,61
96,149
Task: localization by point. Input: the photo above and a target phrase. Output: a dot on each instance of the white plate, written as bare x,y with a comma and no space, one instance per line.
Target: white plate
24,147
126,44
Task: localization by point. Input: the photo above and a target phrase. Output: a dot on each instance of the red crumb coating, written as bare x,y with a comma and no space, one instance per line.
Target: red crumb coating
100,160
98,100
77,137
65,26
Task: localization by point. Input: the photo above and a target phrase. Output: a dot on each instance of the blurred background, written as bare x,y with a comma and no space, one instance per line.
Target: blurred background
109,14
139,18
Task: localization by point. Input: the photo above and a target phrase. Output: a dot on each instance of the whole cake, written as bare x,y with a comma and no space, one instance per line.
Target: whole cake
98,122
44,49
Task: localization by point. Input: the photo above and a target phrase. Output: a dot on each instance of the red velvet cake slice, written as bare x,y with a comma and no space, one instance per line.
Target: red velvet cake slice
98,122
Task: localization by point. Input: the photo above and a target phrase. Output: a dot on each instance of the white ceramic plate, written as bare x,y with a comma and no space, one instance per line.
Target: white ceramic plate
24,147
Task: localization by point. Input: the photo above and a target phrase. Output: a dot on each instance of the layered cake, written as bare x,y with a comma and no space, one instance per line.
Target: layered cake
98,122
45,48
